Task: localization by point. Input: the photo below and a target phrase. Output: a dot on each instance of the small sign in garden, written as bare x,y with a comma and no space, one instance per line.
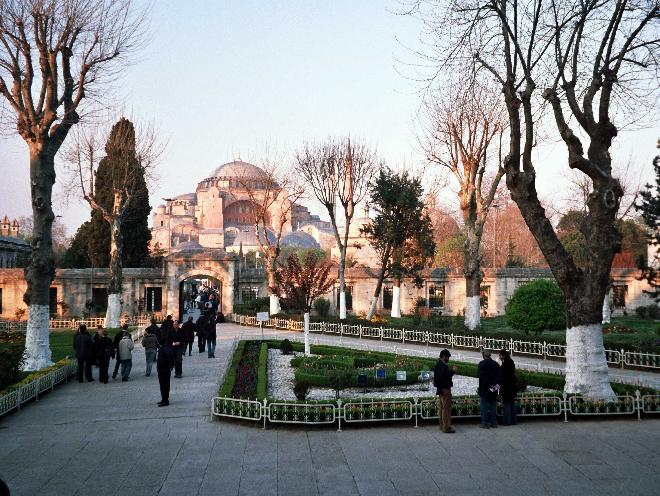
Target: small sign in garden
263,316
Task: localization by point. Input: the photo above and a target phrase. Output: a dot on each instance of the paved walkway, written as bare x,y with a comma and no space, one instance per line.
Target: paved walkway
96,439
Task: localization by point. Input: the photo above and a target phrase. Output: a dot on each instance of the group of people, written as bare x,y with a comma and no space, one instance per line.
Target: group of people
494,380
164,345
99,350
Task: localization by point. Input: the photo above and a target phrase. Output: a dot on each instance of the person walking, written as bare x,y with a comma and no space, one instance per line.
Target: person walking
153,328
104,351
508,388
210,336
150,345
442,380
115,344
164,367
125,354
201,333
189,328
488,373
179,344
83,346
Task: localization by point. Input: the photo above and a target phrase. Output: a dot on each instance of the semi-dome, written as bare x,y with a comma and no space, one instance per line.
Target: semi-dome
299,239
238,169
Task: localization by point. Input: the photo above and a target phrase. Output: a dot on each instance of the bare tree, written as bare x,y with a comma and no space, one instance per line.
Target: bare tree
596,61
54,54
129,159
272,197
338,170
460,131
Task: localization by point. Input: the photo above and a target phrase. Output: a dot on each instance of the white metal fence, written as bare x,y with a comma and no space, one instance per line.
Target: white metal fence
21,325
541,349
416,409
33,389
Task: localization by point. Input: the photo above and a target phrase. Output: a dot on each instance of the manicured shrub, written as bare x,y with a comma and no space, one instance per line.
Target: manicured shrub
11,359
651,312
536,306
340,380
322,307
262,375
286,347
301,389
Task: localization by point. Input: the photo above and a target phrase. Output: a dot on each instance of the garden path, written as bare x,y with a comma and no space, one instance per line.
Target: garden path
113,440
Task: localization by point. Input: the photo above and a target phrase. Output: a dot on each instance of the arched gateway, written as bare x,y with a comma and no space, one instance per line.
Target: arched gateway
214,264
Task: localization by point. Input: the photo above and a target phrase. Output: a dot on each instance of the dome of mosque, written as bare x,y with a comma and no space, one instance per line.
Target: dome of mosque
238,170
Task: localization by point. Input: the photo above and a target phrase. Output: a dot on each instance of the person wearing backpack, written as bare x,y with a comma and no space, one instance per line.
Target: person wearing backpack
164,366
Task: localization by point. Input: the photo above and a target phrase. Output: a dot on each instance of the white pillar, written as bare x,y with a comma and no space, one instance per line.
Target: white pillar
607,309
396,302
274,304
37,345
113,313
472,312
586,365
306,316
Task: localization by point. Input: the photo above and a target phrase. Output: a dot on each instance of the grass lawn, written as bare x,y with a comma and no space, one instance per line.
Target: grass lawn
646,338
61,342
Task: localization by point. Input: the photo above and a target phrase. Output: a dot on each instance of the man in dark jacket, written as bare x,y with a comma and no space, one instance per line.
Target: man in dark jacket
442,380
104,351
210,336
153,329
164,366
488,373
83,346
179,344
166,332
508,388
189,329
115,344
201,332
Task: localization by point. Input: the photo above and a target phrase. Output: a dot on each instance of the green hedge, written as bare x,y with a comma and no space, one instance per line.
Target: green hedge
230,377
262,376
31,376
536,306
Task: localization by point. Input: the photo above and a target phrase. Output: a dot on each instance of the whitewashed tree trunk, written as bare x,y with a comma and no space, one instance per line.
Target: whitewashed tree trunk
274,304
115,286
607,309
396,301
37,346
586,365
113,312
307,349
472,312
342,305
372,307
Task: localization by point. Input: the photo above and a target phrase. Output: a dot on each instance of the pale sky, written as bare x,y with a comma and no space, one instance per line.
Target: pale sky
223,78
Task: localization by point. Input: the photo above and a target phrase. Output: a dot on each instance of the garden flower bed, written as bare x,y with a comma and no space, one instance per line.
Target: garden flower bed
264,376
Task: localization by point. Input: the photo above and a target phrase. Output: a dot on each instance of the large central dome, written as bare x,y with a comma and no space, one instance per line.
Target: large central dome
238,169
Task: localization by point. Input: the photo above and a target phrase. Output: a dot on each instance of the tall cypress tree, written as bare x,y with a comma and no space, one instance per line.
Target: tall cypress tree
94,235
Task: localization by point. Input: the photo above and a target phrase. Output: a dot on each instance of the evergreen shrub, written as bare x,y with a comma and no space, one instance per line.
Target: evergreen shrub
536,306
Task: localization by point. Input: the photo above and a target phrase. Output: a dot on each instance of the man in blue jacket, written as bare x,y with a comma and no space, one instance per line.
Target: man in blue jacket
442,380
489,373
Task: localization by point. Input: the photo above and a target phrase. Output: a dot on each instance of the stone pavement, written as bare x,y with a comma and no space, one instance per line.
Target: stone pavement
96,439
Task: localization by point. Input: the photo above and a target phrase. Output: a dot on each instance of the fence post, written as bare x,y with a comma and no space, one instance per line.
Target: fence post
545,350
381,333
263,413
415,412
360,331
339,414
403,335
638,403
564,406
622,360
451,340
